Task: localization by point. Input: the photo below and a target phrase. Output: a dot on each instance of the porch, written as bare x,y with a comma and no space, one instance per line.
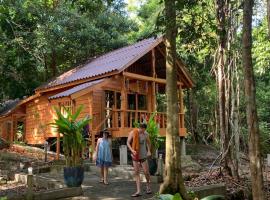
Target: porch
121,122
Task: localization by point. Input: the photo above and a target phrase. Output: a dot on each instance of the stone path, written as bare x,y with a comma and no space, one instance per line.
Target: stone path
118,189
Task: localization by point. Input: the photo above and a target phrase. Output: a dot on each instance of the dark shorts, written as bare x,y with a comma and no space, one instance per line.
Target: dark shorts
140,160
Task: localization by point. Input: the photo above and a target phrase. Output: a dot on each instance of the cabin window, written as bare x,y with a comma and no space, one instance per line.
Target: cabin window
137,102
109,99
132,101
112,98
64,106
118,100
112,102
142,103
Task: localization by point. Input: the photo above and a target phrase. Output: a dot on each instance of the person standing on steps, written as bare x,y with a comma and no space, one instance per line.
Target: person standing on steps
139,144
103,156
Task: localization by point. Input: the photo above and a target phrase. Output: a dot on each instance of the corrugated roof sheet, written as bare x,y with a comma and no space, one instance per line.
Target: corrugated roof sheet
8,106
109,62
75,89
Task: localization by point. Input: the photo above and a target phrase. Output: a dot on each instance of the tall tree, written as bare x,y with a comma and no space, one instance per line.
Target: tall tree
222,15
251,109
40,39
173,181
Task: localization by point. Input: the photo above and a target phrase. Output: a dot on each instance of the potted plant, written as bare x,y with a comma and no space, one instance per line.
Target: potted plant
73,144
153,132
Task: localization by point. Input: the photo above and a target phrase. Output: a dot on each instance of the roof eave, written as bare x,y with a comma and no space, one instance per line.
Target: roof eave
78,82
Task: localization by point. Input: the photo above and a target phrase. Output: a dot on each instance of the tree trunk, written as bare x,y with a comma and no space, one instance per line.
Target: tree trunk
222,7
252,118
268,16
173,180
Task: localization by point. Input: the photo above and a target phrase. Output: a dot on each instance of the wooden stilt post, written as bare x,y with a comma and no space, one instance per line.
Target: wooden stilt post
181,102
91,129
58,146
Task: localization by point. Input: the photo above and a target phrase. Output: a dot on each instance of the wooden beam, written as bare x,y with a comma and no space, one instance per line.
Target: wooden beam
123,102
154,104
145,78
153,62
182,67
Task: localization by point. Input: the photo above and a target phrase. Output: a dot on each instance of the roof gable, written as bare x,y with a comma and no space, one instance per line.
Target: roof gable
116,60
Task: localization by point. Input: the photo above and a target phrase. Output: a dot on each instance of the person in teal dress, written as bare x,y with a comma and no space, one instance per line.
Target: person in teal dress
104,156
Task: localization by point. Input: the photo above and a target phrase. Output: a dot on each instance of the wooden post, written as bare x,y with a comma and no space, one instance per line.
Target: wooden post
11,130
29,194
24,130
154,105
93,135
58,146
181,101
136,109
15,128
90,102
123,102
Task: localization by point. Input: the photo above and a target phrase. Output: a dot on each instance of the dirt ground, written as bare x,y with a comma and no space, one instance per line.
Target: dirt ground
196,171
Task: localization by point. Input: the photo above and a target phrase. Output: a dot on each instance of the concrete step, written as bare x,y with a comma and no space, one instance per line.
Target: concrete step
125,172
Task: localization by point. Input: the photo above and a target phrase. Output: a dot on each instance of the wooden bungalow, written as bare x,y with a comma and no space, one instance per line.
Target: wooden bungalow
116,89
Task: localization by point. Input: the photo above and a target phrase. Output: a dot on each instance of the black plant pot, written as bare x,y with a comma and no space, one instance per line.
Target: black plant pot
152,166
73,176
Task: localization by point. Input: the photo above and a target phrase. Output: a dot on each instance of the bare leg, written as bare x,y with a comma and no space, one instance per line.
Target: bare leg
147,176
101,174
106,175
136,166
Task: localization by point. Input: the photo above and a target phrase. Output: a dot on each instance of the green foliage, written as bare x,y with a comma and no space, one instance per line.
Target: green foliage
196,45
170,197
40,39
261,61
192,194
153,131
71,128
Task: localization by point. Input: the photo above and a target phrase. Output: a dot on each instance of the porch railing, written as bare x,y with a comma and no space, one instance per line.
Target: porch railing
128,118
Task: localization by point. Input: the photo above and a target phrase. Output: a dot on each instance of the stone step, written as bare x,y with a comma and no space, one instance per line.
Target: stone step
126,172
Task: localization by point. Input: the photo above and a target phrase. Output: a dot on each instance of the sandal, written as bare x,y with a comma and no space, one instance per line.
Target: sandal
106,183
101,180
136,195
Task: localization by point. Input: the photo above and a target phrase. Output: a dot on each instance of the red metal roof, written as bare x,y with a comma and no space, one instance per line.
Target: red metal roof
75,89
113,61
